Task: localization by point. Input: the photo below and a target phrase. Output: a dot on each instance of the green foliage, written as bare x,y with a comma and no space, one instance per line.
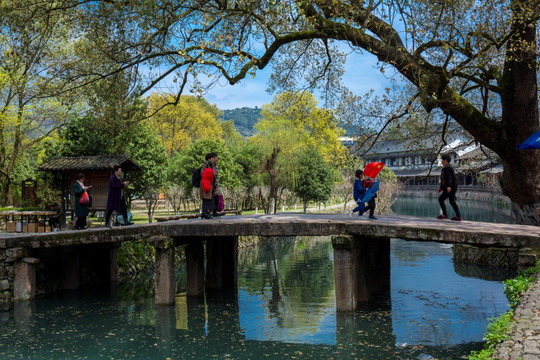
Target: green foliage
179,122
498,328
388,176
496,333
192,157
315,178
516,287
249,157
244,118
144,148
135,257
84,137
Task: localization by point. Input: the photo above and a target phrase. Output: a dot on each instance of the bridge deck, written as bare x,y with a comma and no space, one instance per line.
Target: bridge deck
405,227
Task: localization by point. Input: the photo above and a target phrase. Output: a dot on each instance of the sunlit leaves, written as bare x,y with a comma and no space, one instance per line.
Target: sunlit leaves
177,125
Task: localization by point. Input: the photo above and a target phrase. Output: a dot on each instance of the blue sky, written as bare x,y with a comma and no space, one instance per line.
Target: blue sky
361,75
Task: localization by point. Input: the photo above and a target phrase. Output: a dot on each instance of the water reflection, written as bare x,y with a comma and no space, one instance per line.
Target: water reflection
284,308
470,210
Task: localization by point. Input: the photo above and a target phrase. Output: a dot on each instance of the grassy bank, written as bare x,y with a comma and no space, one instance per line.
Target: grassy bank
497,330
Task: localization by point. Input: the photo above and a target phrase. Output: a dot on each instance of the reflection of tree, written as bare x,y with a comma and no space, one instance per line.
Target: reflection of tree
294,275
410,253
275,299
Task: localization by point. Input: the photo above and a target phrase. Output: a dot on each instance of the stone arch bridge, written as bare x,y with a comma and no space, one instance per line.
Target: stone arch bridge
361,250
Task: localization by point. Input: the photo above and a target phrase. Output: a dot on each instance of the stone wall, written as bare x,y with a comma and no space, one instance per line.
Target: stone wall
6,275
493,256
499,257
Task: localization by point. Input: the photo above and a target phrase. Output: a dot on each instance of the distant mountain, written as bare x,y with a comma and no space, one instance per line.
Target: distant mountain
244,119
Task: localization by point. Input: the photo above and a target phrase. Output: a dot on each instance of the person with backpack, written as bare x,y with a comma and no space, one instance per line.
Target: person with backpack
448,188
208,188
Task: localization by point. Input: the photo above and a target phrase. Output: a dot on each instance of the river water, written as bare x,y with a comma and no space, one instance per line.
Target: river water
284,308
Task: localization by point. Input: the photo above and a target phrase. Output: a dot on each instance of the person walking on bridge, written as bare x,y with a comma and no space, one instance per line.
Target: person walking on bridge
358,194
448,188
81,209
208,185
116,200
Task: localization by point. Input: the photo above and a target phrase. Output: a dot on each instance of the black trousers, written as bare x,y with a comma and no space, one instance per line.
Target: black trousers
371,206
452,197
81,222
54,222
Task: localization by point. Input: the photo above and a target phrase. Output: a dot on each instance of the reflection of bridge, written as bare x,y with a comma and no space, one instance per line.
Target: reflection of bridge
361,251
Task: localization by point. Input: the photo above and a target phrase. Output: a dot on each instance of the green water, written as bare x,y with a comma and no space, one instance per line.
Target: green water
284,308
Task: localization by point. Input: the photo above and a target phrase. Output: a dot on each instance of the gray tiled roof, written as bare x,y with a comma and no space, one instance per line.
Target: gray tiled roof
104,162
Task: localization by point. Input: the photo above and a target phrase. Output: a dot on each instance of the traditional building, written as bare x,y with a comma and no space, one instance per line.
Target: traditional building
97,171
415,162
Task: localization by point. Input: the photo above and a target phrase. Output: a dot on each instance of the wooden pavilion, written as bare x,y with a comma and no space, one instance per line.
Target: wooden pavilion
97,171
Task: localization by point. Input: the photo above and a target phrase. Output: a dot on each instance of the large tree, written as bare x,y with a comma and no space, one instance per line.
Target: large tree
32,105
290,123
476,61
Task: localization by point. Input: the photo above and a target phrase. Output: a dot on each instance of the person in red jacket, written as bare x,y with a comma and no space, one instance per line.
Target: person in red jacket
208,185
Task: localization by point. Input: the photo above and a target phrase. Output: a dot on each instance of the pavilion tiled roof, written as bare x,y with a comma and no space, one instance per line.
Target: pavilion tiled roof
104,162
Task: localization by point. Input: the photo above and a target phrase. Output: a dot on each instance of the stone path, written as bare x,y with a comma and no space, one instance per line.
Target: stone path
524,341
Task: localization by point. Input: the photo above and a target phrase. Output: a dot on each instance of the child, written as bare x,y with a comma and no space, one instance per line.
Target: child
358,194
367,183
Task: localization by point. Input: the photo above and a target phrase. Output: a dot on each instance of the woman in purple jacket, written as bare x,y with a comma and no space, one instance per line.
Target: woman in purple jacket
115,200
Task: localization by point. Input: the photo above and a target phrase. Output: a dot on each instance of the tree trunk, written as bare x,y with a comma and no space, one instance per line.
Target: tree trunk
271,163
519,99
521,177
8,195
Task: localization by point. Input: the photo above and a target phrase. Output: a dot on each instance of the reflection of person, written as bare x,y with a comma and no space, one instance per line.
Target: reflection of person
448,188
207,188
116,200
358,194
81,210
367,183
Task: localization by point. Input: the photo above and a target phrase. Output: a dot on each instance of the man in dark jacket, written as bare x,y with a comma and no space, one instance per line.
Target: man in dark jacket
116,200
448,188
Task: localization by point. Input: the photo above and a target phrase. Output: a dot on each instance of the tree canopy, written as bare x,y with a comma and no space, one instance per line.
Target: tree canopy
189,119
474,61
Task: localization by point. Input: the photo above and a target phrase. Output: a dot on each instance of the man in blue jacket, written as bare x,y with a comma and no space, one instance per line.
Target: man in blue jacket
358,194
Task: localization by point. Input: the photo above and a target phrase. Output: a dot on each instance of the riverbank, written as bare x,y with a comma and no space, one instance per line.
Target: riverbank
491,195
523,341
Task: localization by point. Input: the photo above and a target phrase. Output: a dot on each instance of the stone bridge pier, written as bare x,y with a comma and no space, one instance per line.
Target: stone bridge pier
361,269
47,269
219,273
